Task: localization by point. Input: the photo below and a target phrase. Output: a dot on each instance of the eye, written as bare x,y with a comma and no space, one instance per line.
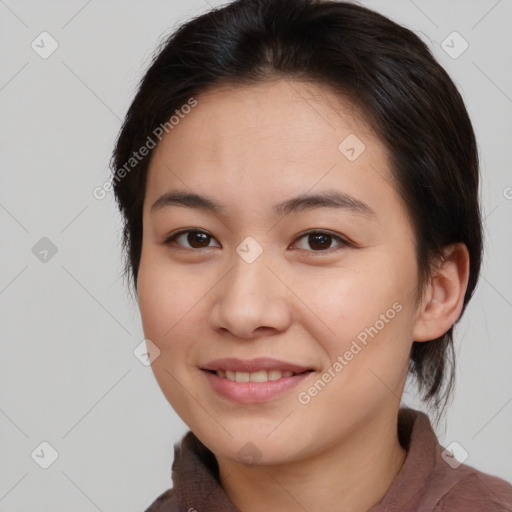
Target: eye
195,239
312,241
320,241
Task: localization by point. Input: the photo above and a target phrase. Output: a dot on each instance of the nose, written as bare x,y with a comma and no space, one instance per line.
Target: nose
251,301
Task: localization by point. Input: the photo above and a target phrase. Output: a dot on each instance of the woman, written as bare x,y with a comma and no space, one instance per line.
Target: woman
299,186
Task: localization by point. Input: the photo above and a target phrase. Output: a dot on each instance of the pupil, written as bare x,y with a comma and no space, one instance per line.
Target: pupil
196,239
319,241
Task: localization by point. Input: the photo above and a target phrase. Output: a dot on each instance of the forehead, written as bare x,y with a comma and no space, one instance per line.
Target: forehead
271,140
291,117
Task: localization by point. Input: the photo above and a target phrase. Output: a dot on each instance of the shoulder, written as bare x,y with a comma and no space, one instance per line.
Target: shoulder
478,492
428,482
166,502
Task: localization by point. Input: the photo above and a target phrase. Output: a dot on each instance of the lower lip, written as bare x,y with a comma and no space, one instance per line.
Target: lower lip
253,392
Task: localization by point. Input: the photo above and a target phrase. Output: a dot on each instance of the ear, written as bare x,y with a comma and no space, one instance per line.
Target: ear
444,297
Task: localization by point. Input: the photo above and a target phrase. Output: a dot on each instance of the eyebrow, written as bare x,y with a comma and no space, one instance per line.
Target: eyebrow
328,199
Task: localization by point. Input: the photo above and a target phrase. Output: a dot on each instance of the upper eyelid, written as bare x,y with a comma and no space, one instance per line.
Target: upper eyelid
322,231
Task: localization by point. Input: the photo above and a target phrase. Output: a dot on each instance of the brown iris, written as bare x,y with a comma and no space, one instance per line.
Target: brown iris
197,239
319,241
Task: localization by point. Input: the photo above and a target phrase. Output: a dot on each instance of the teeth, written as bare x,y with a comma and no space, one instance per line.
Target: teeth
259,376
242,376
274,375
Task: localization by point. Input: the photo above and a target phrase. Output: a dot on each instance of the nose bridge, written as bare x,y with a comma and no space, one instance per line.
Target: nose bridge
251,296
250,279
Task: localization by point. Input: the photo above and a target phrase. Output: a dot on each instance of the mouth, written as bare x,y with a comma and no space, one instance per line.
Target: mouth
254,380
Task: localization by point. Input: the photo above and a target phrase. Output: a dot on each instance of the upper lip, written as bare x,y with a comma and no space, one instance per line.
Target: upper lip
253,365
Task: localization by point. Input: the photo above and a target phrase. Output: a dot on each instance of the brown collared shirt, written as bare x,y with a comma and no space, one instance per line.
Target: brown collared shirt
425,483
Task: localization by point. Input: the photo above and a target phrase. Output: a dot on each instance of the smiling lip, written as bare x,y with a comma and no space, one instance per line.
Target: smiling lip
253,365
253,392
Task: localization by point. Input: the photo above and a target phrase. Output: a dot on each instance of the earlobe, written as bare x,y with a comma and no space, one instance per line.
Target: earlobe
444,298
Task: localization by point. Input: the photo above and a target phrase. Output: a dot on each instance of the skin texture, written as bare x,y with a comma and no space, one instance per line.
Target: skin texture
249,147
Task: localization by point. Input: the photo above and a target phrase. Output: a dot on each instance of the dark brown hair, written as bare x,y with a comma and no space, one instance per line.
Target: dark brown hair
385,70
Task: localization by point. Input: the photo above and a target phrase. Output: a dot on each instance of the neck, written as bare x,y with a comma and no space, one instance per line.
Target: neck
352,476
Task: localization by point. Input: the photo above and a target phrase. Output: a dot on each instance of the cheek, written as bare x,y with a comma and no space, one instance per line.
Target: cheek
169,303
361,303
346,299
167,298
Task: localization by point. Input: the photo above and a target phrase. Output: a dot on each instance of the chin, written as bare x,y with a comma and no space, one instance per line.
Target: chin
252,448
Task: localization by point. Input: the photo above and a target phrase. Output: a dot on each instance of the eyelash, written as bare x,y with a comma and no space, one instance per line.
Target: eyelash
342,241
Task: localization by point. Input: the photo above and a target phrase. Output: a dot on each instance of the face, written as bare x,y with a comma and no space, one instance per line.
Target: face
275,242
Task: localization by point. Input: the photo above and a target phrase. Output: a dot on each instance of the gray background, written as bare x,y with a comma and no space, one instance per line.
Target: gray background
68,375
